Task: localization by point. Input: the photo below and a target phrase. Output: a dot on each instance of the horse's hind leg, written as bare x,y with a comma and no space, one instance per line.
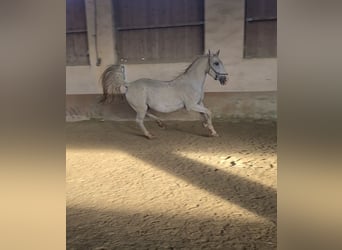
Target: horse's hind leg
159,122
140,120
136,98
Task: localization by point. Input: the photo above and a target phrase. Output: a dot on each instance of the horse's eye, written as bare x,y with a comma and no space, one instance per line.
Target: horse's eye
216,63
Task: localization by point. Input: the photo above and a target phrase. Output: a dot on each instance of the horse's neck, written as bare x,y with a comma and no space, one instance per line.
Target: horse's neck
197,72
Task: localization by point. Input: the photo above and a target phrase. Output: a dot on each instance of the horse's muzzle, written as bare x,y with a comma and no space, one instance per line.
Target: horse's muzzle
223,80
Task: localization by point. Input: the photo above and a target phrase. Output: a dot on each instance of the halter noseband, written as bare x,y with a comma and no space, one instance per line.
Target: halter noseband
217,74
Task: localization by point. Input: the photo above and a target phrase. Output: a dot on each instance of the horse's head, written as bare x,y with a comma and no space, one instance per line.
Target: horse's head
216,68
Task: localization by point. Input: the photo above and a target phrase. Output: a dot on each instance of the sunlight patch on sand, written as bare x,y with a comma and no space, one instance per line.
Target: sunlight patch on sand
249,167
114,179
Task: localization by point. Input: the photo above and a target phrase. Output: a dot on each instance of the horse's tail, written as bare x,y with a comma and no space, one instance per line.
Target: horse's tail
111,80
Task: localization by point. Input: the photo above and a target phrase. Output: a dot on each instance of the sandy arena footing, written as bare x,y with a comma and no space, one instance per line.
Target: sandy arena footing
182,190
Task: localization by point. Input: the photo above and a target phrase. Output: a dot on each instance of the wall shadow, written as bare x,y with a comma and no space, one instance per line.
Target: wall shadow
253,196
105,229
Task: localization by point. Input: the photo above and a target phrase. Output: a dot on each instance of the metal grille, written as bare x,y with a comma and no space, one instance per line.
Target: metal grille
76,33
260,29
159,31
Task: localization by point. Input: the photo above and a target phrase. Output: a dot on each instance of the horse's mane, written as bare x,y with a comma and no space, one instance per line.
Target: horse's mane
190,65
187,68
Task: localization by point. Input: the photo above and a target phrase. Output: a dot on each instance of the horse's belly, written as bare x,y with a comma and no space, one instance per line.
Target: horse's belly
164,103
165,107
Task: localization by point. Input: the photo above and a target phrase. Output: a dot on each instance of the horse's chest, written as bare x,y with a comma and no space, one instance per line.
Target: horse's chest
193,96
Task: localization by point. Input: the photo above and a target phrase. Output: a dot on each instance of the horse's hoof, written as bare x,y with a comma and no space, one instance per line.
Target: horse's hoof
214,135
161,125
149,136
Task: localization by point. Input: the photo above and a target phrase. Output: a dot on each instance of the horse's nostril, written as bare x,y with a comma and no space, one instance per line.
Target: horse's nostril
223,80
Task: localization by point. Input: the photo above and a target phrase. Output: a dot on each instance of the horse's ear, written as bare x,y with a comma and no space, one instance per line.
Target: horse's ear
217,53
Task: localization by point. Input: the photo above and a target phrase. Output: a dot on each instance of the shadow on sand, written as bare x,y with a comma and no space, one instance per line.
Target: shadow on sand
100,229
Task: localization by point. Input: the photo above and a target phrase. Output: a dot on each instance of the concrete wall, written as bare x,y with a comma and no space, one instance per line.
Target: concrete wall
224,30
84,79
225,106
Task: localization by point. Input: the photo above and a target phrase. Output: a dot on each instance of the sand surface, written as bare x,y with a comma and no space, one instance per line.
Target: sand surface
183,190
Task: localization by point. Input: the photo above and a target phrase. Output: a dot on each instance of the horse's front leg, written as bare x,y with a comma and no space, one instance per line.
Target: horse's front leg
204,116
206,113
205,120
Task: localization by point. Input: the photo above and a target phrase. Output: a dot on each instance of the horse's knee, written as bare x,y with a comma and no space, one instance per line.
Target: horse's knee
139,119
140,115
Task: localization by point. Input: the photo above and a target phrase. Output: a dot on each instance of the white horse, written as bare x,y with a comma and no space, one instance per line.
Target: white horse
185,91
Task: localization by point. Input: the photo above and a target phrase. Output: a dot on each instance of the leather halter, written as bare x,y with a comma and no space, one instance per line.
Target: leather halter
217,74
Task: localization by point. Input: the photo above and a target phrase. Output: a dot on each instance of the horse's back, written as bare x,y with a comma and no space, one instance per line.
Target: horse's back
147,82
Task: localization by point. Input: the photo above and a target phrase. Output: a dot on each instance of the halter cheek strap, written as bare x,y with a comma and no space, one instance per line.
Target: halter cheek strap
217,74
